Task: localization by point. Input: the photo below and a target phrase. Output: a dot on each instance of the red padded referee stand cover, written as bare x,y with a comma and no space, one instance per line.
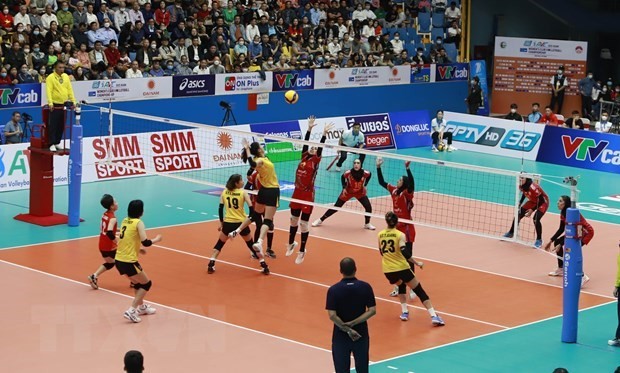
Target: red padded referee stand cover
252,101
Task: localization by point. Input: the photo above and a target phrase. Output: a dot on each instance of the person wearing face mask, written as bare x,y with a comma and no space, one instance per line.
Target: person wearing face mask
268,65
6,20
121,16
24,75
107,34
217,67
419,57
559,83
64,15
474,99
397,44
240,48
514,115
604,125
585,88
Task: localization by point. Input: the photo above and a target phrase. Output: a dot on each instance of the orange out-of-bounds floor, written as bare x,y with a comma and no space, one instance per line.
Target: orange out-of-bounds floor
277,320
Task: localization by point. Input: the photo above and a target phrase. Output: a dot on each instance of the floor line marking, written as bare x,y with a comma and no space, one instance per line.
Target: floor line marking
169,307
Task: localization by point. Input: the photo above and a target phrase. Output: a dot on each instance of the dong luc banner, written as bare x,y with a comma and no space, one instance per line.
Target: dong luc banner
411,129
576,148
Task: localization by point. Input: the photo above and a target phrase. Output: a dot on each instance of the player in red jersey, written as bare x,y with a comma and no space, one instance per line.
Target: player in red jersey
254,184
354,182
304,190
587,233
537,204
107,238
402,204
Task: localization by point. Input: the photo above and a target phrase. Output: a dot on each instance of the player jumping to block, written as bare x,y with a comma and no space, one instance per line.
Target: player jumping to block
557,240
131,242
352,138
305,176
395,259
402,203
254,184
268,196
107,238
234,221
354,183
537,204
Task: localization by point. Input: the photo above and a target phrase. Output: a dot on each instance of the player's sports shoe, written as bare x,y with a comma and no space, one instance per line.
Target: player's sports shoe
290,248
300,257
211,267
132,316
437,321
434,149
584,279
93,282
557,272
369,227
394,292
258,246
508,235
146,309
538,244
451,148
60,146
317,222
614,342
265,270
337,169
271,253
404,316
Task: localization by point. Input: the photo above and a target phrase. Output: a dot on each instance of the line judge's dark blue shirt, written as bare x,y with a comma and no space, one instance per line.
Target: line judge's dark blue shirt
350,298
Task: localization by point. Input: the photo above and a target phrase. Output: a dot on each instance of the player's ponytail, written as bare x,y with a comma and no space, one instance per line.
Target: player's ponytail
232,182
391,219
254,151
567,203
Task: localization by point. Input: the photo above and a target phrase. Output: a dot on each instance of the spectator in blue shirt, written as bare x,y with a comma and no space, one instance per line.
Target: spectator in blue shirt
255,50
585,88
158,71
12,130
535,116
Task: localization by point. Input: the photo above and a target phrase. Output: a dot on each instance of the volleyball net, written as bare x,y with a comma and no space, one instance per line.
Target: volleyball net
456,197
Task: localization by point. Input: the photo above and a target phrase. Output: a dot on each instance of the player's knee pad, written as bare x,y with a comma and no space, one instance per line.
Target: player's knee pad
420,293
108,266
146,286
402,288
294,220
268,223
304,226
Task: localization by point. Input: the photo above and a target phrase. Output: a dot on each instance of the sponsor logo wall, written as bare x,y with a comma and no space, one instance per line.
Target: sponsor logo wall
297,80
193,85
495,136
22,95
451,72
361,76
96,91
232,84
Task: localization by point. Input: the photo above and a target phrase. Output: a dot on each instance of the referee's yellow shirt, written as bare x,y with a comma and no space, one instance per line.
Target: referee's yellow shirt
59,89
129,241
267,174
389,247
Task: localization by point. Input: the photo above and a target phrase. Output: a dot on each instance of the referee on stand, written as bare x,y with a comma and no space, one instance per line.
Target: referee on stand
59,93
350,303
352,138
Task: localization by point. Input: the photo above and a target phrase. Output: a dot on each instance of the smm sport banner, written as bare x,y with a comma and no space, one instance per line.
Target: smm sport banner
495,136
578,148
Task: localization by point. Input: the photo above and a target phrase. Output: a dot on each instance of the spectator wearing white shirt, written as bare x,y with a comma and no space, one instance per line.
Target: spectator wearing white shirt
90,15
202,68
252,30
121,16
333,46
135,14
604,125
454,34
397,44
453,13
134,72
363,14
438,132
216,68
48,17
353,138
22,17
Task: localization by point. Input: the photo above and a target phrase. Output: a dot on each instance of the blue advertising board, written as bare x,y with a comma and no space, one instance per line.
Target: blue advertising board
578,148
377,130
298,80
452,72
20,95
421,74
411,129
193,85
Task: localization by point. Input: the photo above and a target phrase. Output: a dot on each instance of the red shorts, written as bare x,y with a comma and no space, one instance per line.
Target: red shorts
348,196
535,206
408,230
304,196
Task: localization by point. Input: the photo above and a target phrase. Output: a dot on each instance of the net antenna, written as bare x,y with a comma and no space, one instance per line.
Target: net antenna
462,198
229,116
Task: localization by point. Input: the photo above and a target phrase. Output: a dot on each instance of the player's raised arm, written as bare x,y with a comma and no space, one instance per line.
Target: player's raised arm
411,183
382,182
327,128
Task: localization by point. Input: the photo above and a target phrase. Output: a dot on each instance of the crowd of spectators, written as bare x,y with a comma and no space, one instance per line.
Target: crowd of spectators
111,39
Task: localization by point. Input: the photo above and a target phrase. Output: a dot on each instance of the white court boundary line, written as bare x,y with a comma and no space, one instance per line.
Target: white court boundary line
168,307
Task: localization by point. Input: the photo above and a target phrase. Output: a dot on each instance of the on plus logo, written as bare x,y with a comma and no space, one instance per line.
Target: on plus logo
583,147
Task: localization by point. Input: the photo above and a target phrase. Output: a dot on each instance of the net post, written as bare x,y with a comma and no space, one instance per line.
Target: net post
573,267
75,170
517,206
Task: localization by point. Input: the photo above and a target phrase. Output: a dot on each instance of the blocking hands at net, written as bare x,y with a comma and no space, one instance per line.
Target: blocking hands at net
234,221
354,182
305,177
352,138
536,206
268,197
59,93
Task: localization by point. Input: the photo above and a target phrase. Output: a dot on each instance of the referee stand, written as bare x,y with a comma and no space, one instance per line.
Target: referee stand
41,159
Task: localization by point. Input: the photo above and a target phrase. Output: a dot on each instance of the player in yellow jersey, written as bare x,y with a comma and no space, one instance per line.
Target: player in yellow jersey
132,241
395,261
234,221
269,193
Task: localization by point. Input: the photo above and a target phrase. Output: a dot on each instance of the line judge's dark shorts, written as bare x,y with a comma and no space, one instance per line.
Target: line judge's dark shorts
108,254
268,197
405,276
229,227
128,269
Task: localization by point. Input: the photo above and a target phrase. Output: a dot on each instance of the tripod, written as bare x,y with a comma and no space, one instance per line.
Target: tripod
229,117
27,129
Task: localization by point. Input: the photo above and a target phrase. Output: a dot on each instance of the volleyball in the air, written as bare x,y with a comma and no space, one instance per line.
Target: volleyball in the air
291,97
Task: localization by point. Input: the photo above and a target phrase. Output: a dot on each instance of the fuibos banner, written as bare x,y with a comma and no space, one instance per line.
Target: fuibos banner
578,148
495,136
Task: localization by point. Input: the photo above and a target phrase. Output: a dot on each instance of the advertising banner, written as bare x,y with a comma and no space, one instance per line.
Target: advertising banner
495,136
22,95
523,68
422,74
279,151
361,76
583,149
94,91
233,84
377,130
332,137
411,129
193,85
297,80
451,72
15,168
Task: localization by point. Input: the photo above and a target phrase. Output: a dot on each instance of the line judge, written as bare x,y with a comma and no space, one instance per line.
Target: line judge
59,92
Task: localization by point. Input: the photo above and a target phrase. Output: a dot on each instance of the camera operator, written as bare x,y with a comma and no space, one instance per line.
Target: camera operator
13,130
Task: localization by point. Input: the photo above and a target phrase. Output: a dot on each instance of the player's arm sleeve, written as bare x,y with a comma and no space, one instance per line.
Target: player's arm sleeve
251,162
110,229
407,253
522,199
380,177
220,212
319,151
411,184
368,179
559,232
304,149
343,180
110,235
